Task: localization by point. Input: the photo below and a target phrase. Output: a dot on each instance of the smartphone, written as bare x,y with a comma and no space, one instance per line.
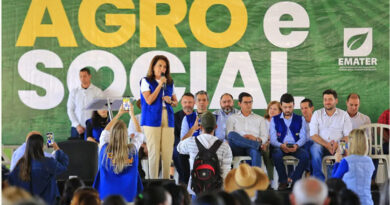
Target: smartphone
126,103
49,139
343,146
290,145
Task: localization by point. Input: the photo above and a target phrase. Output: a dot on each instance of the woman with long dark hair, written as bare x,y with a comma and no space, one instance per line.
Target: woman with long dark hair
96,125
36,173
157,117
118,162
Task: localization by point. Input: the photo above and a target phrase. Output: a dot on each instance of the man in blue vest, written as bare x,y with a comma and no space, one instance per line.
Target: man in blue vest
191,127
288,136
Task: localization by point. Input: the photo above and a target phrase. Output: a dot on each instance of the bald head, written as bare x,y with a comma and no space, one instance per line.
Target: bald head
310,191
32,133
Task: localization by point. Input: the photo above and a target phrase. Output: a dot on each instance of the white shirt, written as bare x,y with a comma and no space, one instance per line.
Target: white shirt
78,100
132,130
359,119
253,124
224,153
330,127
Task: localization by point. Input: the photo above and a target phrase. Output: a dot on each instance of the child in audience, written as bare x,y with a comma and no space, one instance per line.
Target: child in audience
356,169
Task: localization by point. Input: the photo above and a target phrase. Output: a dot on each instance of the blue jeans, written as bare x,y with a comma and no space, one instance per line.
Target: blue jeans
75,135
317,152
243,147
301,154
307,147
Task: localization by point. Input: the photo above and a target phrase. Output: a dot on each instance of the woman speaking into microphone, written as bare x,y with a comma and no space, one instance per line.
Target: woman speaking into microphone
157,117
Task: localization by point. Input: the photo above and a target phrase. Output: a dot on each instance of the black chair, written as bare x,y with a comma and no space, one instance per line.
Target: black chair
83,160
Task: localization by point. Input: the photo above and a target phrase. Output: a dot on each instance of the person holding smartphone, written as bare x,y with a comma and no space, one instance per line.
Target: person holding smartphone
36,173
157,117
288,136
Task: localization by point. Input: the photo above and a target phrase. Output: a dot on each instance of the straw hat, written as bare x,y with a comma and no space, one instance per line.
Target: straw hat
248,178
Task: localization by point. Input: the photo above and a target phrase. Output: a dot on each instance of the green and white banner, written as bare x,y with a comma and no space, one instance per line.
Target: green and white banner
265,47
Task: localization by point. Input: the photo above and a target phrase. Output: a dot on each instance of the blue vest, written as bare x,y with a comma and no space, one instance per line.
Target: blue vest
191,121
358,177
151,114
127,183
96,131
281,128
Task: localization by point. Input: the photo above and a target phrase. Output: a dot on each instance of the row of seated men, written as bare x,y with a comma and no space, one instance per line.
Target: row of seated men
249,134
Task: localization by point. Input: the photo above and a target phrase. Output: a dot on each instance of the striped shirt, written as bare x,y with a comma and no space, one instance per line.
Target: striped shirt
224,153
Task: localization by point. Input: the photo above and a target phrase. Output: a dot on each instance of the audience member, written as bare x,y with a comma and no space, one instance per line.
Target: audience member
309,191
183,169
357,119
241,197
247,131
288,137
114,200
12,195
208,141
96,125
247,178
273,109
335,184
158,98
154,195
78,100
85,196
19,152
356,168
118,162
179,194
269,197
348,197
69,188
208,198
328,126
36,173
227,109
227,198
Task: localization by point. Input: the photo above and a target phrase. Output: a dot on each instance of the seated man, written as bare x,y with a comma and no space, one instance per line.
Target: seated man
207,139
227,109
288,137
328,126
247,131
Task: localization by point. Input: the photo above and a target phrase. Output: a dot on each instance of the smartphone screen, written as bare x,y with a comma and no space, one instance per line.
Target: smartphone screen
50,139
290,145
126,103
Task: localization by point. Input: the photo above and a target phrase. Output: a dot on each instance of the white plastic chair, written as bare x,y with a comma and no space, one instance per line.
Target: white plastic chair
327,161
374,133
238,159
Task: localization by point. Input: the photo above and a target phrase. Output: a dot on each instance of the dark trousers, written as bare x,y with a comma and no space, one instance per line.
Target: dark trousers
177,161
74,134
277,156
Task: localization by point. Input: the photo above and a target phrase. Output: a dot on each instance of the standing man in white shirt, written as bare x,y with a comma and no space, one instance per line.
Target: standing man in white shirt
78,100
357,119
328,126
227,109
247,131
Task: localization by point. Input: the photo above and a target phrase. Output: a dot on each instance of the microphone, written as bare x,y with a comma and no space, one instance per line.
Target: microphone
164,85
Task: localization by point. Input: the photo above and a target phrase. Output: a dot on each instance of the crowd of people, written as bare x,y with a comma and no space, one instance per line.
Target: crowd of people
192,141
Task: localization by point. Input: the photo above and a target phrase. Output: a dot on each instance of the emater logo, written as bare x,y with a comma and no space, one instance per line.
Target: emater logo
357,46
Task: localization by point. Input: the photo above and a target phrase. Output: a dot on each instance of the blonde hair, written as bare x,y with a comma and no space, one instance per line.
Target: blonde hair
358,143
266,115
13,195
118,147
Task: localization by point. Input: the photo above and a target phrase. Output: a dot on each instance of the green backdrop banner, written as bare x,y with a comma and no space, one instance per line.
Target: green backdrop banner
264,47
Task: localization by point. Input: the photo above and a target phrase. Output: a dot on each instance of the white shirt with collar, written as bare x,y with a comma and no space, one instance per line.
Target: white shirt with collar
78,100
359,119
332,127
253,124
